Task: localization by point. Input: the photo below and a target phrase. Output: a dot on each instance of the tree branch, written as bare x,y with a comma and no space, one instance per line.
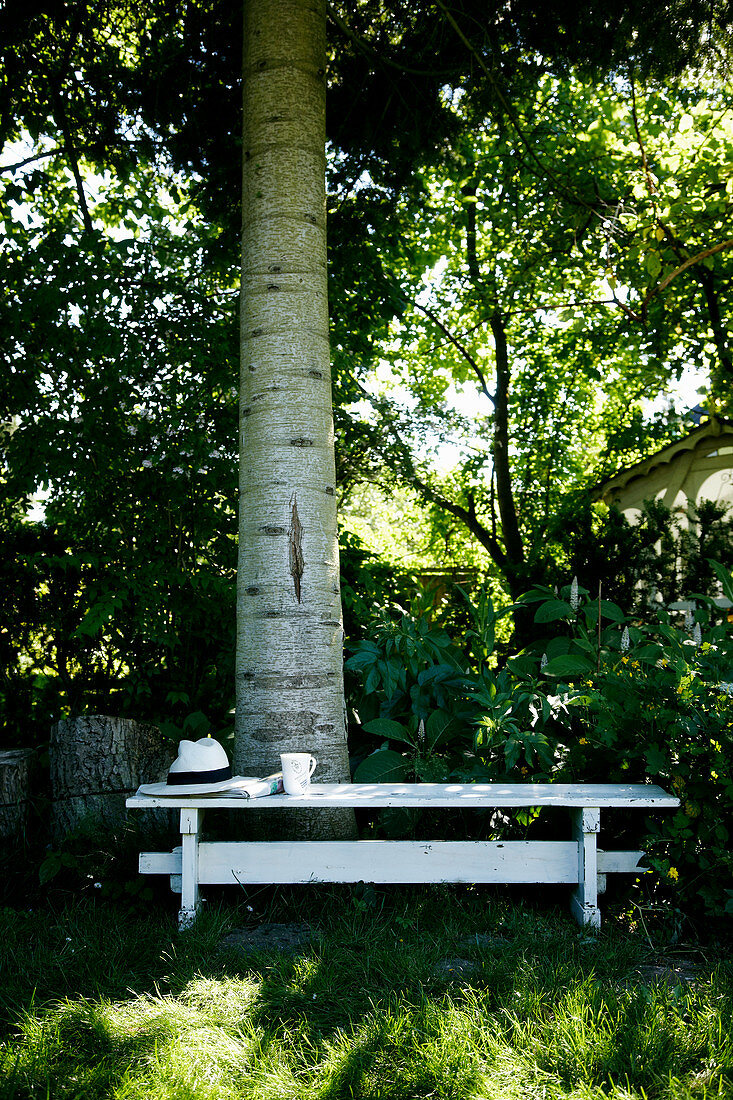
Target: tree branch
62,123
461,348
698,258
59,113
649,181
468,518
29,160
720,334
380,58
505,496
467,515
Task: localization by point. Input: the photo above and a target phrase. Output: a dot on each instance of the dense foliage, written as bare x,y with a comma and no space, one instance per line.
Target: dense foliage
598,696
120,402
571,261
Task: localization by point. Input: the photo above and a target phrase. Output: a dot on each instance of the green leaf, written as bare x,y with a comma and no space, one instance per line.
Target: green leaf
440,728
387,727
178,697
49,868
398,821
363,659
656,760
197,724
170,730
556,646
523,665
383,766
609,610
568,665
512,752
536,595
552,610
653,264
724,576
648,653
372,681
96,617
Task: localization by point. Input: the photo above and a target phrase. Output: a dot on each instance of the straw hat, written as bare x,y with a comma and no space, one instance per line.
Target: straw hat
201,767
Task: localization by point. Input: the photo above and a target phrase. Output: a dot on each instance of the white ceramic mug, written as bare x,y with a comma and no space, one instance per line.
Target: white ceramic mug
298,767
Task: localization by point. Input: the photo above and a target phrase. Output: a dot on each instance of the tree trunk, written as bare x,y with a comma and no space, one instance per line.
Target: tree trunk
96,762
289,666
504,492
15,774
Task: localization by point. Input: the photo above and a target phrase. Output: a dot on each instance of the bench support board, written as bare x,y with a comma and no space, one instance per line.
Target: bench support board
573,862
584,900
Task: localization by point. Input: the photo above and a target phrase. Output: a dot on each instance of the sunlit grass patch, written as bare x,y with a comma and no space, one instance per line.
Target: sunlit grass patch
398,1050
198,1062
641,1042
125,1048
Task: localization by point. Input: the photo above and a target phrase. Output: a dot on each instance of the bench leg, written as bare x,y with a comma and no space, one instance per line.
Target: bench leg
584,902
190,900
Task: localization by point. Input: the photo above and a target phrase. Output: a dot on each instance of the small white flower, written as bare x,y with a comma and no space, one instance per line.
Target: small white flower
697,634
214,454
132,430
202,470
726,688
689,620
543,662
178,469
97,885
147,463
574,598
625,640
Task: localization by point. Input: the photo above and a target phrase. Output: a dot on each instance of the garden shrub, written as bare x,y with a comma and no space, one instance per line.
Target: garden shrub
600,696
665,553
415,694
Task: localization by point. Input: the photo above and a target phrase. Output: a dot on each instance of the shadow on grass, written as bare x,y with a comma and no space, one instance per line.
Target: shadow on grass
99,1003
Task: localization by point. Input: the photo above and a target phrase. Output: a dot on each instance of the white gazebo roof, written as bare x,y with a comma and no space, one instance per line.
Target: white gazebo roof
697,466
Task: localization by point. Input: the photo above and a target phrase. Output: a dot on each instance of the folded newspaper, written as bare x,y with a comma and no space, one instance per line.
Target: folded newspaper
256,788
238,786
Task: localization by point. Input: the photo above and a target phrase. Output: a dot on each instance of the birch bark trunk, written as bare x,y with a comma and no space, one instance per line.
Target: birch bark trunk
289,665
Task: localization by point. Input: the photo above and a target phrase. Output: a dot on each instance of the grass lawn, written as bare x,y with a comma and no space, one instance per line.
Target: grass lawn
400,994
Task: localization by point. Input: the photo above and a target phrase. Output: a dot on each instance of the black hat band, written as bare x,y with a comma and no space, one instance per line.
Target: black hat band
177,779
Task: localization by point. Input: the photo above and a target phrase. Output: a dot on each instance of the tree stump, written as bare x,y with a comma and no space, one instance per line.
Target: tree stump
96,762
15,774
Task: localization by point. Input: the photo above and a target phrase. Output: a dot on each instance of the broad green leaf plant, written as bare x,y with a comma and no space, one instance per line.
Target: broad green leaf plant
598,695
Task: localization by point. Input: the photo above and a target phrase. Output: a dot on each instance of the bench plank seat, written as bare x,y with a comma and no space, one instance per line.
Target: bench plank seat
435,796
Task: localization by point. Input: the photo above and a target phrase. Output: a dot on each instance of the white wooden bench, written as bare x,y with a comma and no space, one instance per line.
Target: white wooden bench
576,861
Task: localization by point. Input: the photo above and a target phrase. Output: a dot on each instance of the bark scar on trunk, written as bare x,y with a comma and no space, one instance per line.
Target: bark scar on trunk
295,539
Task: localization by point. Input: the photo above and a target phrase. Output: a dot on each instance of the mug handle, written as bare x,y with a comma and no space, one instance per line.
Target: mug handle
313,766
